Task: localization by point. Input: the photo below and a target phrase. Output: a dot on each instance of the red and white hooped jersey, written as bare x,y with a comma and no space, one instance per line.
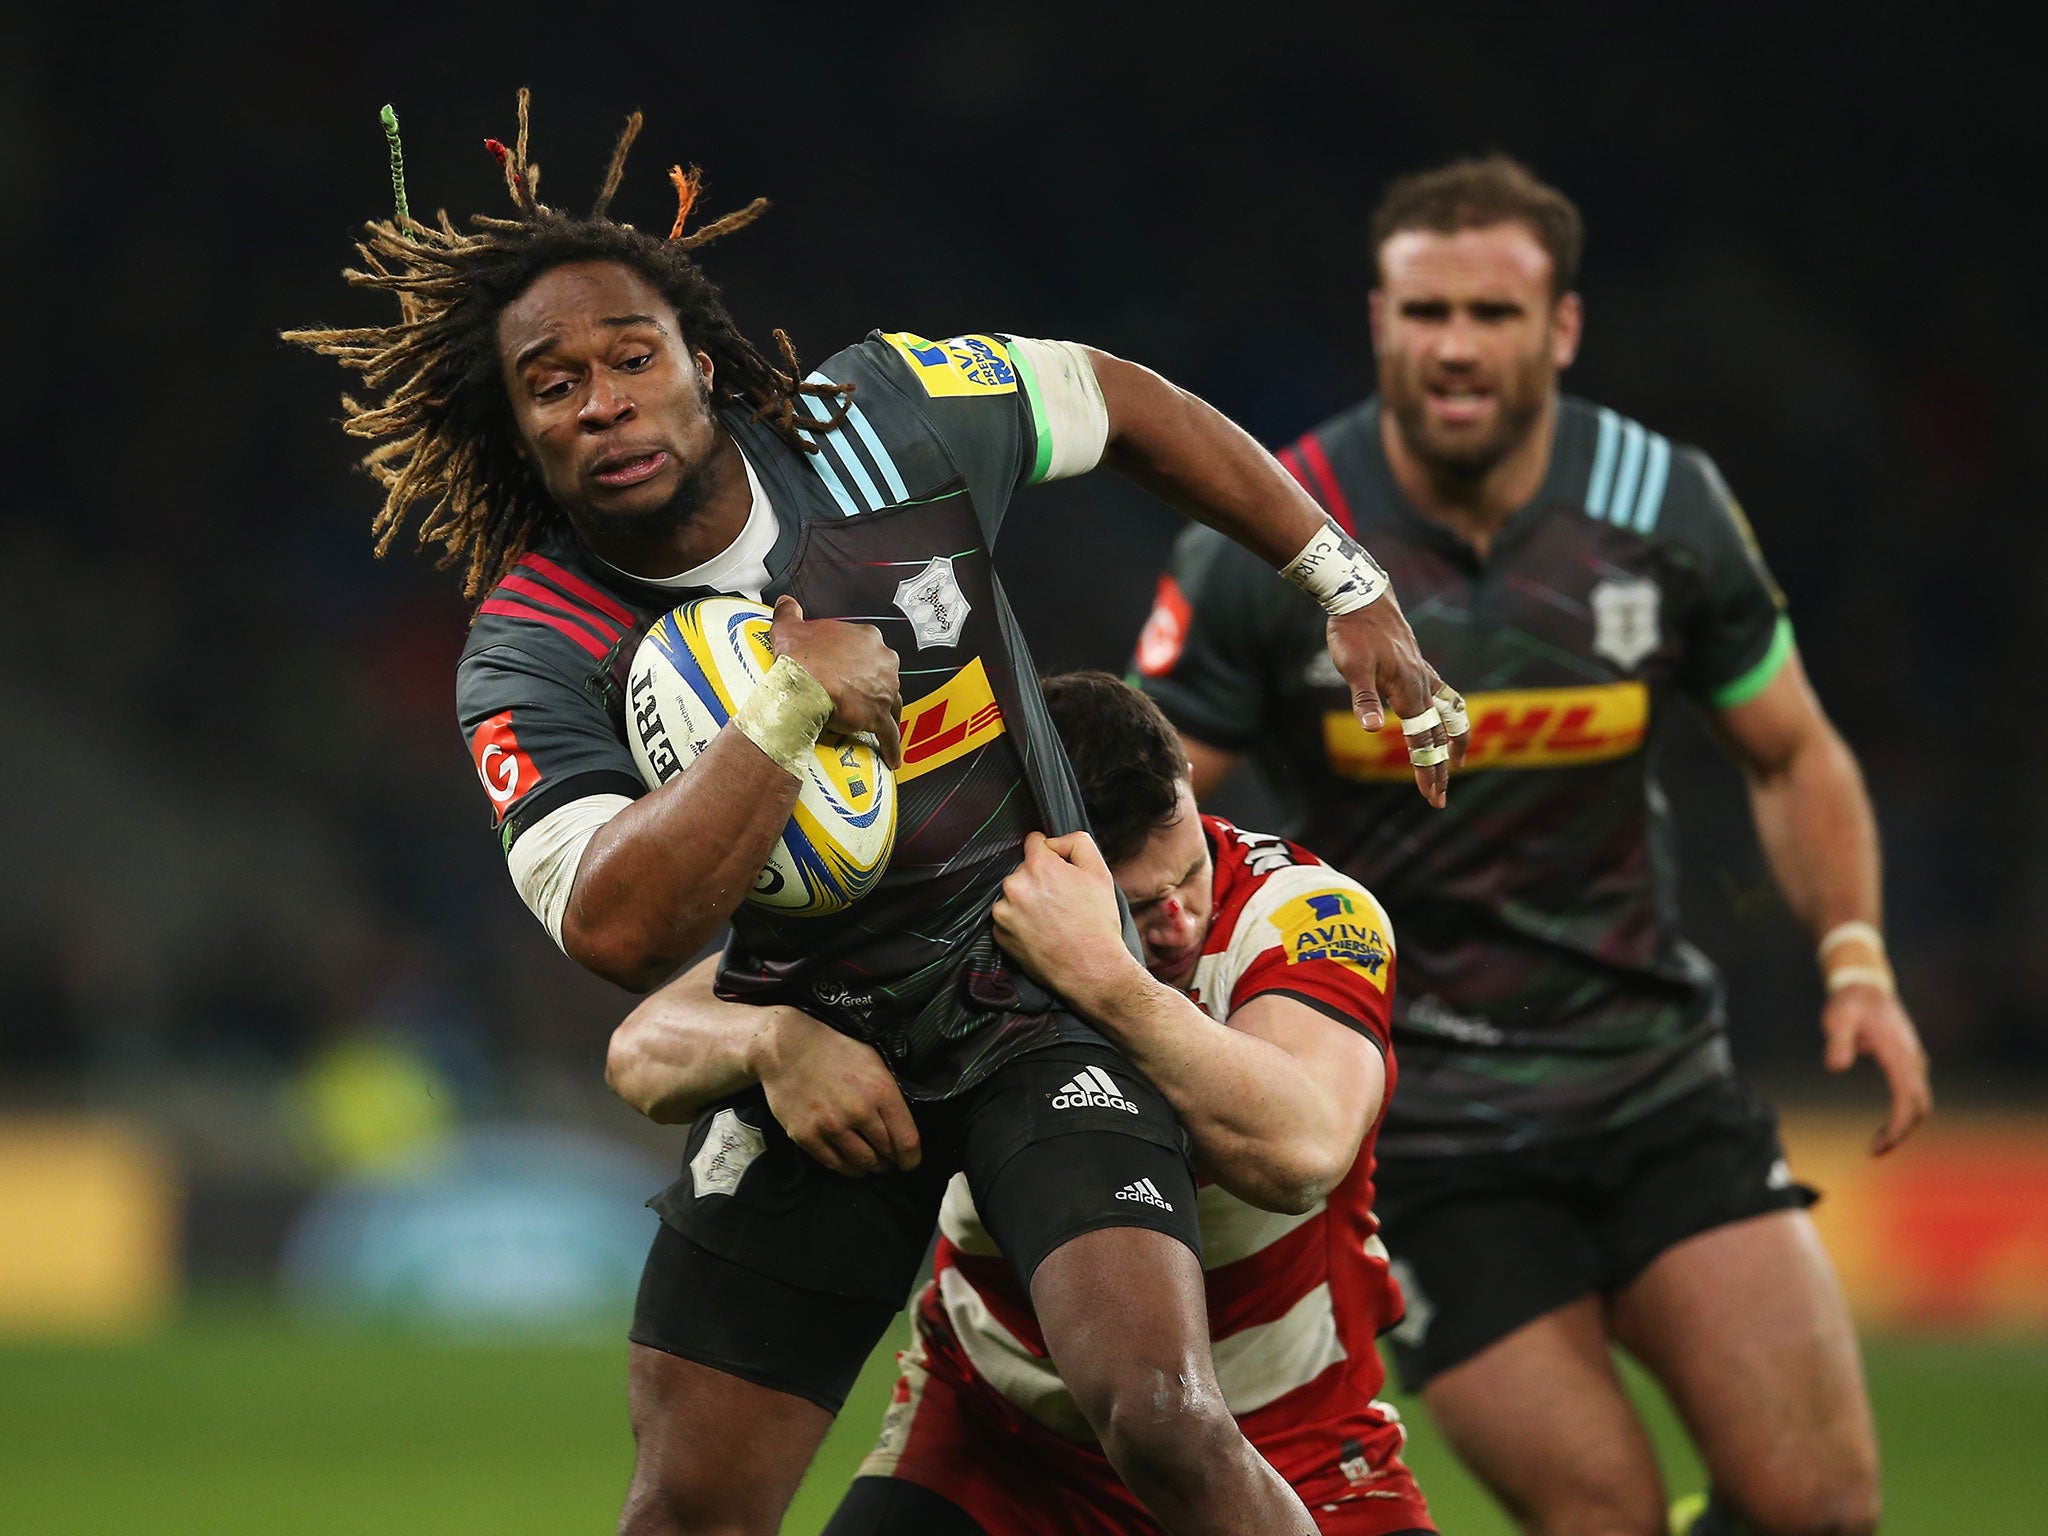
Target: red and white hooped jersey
1295,1301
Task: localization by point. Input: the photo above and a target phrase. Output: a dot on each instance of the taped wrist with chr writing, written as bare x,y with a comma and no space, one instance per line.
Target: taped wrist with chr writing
1336,571
784,714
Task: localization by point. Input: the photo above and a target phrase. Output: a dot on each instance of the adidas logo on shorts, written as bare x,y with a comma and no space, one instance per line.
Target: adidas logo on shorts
1091,1087
1146,1192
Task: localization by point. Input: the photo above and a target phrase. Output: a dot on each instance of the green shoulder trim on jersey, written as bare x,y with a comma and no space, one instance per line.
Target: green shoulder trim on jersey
1043,461
1758,677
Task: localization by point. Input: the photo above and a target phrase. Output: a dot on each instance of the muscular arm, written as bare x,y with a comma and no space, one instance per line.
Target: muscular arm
1276,1101
656,883
658,880
1819,834
1194,458
685,1048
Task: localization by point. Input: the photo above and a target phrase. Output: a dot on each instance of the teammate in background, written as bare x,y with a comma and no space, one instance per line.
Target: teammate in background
595,442
1571,1159
983,1437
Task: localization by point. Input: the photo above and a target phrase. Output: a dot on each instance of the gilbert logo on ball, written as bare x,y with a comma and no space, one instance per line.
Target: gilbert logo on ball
695,667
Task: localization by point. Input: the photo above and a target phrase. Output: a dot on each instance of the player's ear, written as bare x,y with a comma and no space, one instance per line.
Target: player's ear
1375,306
705,366
1567,323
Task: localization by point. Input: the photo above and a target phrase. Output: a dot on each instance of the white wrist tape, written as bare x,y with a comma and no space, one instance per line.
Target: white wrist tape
1334,569
1857,932
1878,976
784,714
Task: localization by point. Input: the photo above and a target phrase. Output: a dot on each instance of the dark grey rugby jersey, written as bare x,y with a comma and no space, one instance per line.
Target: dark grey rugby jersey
915,483
1545,988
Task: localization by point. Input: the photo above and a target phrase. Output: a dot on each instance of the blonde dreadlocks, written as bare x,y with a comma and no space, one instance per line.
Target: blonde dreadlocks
443,427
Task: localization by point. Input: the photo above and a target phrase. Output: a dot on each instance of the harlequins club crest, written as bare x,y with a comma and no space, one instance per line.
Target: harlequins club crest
1625,620
728,1152
934,604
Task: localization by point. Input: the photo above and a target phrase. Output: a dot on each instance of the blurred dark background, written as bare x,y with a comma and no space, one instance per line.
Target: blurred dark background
240,825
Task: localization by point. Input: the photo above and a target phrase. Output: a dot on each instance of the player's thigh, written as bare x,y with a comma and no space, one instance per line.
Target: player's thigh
1070,1140
1542,1418
1079,1171
713,1451
1481,1246
1746,1327
735,1377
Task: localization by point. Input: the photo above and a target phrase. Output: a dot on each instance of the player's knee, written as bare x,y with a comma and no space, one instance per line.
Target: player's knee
1161,1427
1847,1506
1598,1512
676,1500
1816,1496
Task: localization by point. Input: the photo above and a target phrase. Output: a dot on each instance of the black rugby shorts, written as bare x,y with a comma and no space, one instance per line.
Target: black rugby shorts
1483,1244
1066,1140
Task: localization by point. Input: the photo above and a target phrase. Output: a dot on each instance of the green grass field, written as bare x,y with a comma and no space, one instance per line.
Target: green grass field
235,1422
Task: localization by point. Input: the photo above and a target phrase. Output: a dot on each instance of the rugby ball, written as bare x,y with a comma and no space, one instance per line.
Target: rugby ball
694,668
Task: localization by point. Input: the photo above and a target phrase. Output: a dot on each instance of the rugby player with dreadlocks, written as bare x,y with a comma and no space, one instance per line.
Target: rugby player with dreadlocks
595,442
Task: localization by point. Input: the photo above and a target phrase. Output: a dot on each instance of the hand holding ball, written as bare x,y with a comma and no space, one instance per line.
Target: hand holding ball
696,668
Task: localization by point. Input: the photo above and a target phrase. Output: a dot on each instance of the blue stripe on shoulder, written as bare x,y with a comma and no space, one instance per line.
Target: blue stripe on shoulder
1628,476
821,461
1631,473
884,461
1656,475
1602,483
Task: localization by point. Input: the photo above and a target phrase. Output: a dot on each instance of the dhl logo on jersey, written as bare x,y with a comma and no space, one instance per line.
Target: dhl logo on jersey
962,365
954,719
1512,728
1335,926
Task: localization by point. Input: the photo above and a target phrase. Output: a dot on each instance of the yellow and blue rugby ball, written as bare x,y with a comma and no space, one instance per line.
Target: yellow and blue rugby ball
693,669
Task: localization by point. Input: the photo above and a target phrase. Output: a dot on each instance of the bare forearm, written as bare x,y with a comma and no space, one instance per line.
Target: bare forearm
685,1048
660,879
1194,458
1261,1126
1819,834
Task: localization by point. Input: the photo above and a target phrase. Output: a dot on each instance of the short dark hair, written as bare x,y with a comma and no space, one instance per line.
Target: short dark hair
1478,194
1127,756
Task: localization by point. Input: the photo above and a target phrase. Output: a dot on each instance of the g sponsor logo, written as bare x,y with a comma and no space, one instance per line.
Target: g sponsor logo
501,763
1165,634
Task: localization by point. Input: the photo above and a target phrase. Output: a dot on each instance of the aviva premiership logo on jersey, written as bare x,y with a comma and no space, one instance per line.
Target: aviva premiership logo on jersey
1511,728
1335,926
962,365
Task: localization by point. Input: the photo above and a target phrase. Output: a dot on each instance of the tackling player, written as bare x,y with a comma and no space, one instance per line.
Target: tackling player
595,441
1571,1159
1240,930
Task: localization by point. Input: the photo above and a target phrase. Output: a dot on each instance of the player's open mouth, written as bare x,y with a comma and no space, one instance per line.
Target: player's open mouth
1460,404
630,469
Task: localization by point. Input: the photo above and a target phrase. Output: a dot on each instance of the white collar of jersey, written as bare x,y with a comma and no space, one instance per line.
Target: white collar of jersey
742,566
